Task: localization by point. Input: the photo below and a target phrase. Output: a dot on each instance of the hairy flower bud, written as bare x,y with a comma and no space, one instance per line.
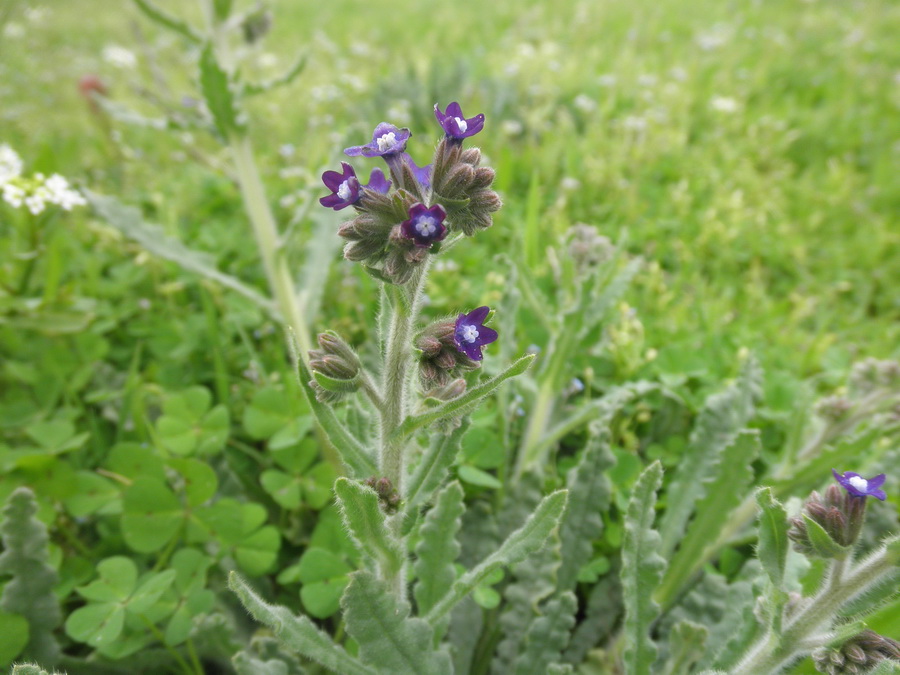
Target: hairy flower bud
387,495
441,360
335,368
860,654
833,408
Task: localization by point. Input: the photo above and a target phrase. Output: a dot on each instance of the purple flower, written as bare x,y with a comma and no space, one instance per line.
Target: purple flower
387,141
425,225
857,486
422,173
378,182
455,125
344,188
471,334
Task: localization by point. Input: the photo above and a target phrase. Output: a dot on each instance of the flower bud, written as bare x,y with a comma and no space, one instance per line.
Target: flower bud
387,495
441,360
859,654
335,368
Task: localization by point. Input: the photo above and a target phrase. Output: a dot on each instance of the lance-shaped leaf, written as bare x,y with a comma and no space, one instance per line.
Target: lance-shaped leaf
604,606
438,548
773,546
129,222
687,641
822,543
29,593
723,417
724,494
365,520
282,80
589,491
352,452
386,634
216,86
30,669
642,569
434,465
520,544
298,632
548,635
465,403
167,20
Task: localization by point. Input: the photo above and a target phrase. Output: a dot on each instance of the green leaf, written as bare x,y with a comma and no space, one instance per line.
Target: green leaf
150,591
772,549
153,238
94,494
434,465
151,516
188,426
687,640
473,476
642,569
366,523
26,559
352,452
168,20
284,489
133,460
822,543
96,624
548,635
385,632
438,549
217,90
465,403
14,629
200,481
519,545
292,73
258,552
118,575
724,493
324,576
723,417
589,491
298,632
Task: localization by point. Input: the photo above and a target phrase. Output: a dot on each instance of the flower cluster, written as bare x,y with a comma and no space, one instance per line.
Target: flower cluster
335,368
401,221
838,516
858,655
36,192
450,347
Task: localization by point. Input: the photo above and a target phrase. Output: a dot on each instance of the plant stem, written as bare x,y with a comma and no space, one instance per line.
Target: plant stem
771,653
266,233
404,309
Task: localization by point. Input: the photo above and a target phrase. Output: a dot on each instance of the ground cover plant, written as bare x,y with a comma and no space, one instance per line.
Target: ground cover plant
643,418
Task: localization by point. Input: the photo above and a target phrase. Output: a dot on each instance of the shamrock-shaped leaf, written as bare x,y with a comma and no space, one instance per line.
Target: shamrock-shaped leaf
324,576
152,515
189,427
271,411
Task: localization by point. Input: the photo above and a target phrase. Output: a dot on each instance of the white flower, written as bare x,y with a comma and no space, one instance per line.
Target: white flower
585,103
10,164
61,194
118,56
13,30
634,123
724,104
607,80
13,195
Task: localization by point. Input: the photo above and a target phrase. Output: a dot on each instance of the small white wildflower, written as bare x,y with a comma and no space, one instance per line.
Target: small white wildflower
268,60
36,202
634,123
13,195
585,103
62,194
10,164
724,104
569,184
511,127
647,80
119,57
287,150
607,80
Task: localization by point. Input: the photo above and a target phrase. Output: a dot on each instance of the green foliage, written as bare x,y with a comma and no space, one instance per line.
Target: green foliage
189,427
367,525
548,636
30,669
438,549
218,91
687,641
298,632
386,635
324,576
772,549
434,465
642,570
28,594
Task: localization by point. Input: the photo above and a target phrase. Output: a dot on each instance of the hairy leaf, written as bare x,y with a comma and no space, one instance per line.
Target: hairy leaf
438,547
366,523
548,635
603,609
772,549
298,632
520,544
283,80
216,86
386,634
434,465
167,20
642,569
29,593
722,418
731,480
687,641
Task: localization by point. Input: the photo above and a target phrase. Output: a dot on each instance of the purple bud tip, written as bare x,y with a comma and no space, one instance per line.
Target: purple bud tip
387,140
857,486
470,333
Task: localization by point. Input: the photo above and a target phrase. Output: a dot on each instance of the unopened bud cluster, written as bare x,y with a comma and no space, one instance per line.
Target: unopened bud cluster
859,655
872,374
335,368
587,247
839,514
387,495
463,187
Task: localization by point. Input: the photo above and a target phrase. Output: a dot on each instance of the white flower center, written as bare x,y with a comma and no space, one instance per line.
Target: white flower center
462,124
426,226
859,483
387,141
469,333
344,190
